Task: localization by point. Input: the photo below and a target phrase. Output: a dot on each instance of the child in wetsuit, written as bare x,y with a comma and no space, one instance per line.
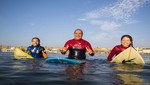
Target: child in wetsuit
35,50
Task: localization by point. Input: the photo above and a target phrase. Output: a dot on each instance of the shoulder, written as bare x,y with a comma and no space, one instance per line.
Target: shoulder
71,40
29,47
85,41
41,47
117,47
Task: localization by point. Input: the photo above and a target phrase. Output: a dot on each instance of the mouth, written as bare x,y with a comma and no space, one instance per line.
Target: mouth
125,44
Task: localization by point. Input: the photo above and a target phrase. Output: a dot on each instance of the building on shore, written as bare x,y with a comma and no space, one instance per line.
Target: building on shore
7,49
143,50
102,50
54,50
146,50
97,50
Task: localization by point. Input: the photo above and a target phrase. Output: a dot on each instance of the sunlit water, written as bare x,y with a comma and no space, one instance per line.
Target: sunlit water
96,71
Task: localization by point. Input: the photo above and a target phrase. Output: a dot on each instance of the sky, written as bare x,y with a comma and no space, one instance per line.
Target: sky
54,21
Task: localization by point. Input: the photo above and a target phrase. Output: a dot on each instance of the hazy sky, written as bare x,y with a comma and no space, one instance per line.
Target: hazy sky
54,21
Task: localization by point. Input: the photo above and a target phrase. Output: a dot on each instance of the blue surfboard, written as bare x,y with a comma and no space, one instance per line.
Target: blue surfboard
64,60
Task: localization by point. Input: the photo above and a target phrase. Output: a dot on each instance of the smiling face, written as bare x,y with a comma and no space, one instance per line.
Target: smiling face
78,34
126,42
35,42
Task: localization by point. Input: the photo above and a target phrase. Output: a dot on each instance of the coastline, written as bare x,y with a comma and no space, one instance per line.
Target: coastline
97,50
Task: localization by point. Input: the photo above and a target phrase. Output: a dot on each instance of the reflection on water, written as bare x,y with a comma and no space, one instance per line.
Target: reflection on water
75,72
35,64
128,73
128,67
130,79
29,64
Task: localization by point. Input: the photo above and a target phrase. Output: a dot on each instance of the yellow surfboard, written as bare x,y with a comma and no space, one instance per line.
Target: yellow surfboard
130,55
19,54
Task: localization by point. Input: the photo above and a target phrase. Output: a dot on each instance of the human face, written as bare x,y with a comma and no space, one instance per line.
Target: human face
35,42
126,42
78,35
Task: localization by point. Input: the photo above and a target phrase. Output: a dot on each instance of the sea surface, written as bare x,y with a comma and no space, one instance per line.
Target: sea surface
96,71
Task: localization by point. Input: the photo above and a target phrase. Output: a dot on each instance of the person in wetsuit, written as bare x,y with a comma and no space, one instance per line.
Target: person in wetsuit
77,47
35,50
126,42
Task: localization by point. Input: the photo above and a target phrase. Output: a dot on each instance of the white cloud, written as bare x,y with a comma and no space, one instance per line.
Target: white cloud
96,22
100,36
122,10
82,19
107,26
112,17
107,36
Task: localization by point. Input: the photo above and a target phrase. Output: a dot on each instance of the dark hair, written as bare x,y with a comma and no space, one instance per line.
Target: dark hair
37,39
128,36
80,30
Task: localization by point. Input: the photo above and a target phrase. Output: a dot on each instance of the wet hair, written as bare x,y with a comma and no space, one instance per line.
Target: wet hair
128,36
37,39
80,30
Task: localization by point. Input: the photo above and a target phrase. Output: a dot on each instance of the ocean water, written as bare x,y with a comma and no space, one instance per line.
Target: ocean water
96,71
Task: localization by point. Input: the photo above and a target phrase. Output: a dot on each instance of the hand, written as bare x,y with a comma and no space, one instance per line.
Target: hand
89,50
64,49
28,52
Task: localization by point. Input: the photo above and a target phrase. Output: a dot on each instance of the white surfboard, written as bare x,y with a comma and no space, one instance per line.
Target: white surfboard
19,54
130,55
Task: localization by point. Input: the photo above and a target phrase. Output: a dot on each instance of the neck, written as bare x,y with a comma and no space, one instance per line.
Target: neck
78,39
125,46
36,45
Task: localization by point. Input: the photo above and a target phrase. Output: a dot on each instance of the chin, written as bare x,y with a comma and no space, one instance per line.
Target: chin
126,45
78,38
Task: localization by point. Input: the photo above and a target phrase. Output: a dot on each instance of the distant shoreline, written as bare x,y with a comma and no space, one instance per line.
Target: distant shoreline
97,50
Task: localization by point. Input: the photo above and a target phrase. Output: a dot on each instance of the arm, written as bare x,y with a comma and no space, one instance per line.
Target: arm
44,53
89,49
65,48
28,50
112,53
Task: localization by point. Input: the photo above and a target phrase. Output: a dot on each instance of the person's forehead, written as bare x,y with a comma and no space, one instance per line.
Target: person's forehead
35,39
126,38
78,31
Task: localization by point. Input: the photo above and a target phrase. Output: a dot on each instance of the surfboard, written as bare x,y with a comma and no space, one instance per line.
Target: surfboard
64,60
130,56
19,54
